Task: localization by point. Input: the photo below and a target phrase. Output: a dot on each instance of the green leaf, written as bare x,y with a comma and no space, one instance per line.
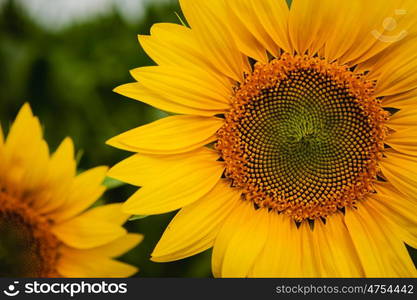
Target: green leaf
78,156
111,183
137,217
180,19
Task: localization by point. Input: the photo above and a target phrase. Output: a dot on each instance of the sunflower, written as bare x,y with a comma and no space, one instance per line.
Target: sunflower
45,229
292,150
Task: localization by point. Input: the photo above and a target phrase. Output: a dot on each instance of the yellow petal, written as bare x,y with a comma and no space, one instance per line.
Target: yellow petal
2,150
27,167
397,69
62,163
403,101
404,119
364,30
397,205
278,254
25,129
245,41
176,45
404,141
401,177
1,136
142,169
84,191
173,45
195,89
138,91
109,213
195,227
169,135
116,248
4,164
307,24
399,209
344,28
273,15
325,251
214,37
311,256
76,264
297,253
336,249
387,26
59,176
89,230
240,241
247,17
192,178
382,253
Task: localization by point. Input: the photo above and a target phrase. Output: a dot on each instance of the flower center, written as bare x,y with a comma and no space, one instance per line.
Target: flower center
303,137
27,248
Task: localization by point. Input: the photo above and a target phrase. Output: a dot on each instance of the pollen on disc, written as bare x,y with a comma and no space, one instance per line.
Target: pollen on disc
303,137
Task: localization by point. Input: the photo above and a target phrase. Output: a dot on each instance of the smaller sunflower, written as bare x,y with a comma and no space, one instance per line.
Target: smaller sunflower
45,227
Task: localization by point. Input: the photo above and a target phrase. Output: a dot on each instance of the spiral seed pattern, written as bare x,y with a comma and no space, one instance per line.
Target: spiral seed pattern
303,137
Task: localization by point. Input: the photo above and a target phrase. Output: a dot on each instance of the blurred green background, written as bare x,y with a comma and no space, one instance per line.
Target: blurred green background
67,73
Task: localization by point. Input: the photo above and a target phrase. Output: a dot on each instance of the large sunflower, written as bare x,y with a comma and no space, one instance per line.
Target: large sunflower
45,230
295,149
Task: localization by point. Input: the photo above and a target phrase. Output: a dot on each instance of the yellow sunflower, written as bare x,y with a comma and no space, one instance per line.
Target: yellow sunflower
45,230
294,149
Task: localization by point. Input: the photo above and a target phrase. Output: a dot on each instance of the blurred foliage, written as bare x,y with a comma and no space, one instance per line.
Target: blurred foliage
67,76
